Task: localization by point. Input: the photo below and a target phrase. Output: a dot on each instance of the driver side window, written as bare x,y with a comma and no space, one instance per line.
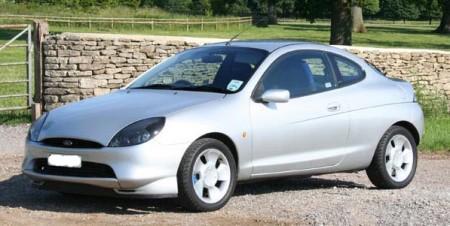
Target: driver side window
301,73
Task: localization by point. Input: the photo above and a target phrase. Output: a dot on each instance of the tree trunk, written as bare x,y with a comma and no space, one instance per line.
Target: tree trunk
444,26
341,23
358,21
272,12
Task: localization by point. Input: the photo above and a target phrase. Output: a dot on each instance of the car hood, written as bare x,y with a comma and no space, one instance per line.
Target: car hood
100,118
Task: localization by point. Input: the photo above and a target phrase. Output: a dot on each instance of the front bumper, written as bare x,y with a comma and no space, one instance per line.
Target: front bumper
148,169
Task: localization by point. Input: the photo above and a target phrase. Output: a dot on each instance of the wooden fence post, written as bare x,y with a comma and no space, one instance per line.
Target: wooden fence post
202,25
40,30
187,24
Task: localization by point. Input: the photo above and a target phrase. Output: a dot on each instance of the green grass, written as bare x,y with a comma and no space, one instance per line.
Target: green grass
437,134
378,35
55,10
8,73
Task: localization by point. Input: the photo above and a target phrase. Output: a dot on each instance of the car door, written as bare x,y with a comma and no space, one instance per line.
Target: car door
309,131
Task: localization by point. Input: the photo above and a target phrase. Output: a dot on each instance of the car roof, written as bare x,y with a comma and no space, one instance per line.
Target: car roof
268,45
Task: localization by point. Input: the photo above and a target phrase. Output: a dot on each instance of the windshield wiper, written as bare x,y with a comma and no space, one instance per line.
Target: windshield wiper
187,88
155,86
203,88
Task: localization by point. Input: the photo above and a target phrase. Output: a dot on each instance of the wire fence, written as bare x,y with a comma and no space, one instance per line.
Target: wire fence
201,24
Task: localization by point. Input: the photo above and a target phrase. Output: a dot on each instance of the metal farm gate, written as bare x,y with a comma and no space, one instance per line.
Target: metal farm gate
16,91
21,67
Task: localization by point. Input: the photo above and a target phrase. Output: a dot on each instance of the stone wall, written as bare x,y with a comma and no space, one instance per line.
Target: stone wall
429,70
79,66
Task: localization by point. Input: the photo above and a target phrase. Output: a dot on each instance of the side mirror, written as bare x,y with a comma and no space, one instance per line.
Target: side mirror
275,96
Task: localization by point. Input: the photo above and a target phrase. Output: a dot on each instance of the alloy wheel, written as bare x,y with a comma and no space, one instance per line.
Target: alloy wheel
399,158
211,176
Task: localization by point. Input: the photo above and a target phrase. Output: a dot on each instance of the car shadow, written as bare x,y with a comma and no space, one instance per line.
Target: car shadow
17,192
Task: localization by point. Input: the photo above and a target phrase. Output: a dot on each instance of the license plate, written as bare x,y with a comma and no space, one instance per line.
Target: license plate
72,161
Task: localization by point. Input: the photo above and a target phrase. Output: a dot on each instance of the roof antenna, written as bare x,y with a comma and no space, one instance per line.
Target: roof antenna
235,36
258,21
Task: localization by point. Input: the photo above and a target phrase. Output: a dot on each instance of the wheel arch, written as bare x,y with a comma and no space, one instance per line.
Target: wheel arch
227,141
411,128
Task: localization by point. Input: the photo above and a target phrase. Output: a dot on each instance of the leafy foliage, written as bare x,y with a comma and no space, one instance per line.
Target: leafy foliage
310,9
399,9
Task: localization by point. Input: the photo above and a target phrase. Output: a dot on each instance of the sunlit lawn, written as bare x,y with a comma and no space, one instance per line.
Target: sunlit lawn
410,35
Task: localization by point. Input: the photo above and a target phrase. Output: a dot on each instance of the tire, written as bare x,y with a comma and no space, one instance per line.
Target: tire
204,184
395,160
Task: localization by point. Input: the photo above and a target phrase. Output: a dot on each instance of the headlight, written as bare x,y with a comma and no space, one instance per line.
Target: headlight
35,129
138,132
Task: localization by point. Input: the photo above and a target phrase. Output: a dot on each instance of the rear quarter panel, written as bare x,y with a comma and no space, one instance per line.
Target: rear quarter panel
375,105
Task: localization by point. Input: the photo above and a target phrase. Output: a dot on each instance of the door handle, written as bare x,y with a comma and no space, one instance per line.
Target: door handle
334,107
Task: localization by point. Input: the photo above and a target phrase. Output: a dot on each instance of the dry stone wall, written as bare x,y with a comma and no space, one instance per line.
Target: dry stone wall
79,66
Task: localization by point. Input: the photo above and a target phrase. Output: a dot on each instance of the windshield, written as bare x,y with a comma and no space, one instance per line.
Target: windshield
222,69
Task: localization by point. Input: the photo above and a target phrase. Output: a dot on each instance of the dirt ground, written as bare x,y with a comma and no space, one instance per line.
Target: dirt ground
335,199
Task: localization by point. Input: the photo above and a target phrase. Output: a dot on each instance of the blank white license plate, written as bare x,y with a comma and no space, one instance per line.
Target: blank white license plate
72,161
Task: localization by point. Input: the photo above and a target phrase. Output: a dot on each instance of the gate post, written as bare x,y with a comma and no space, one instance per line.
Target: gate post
40,30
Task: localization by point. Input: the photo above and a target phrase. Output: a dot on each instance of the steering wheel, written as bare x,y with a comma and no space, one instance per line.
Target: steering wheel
183,83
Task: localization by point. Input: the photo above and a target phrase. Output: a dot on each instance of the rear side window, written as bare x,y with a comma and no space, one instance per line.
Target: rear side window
347,71
301,73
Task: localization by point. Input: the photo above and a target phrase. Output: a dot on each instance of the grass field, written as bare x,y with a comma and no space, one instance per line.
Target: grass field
410,35
437,130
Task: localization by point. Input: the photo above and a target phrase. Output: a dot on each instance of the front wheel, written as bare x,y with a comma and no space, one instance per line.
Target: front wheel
394,163
206,176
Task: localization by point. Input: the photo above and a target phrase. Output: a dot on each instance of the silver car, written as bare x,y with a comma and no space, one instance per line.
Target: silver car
201,121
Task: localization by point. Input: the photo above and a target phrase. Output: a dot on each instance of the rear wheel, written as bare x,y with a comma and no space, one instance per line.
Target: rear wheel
395,160
207,176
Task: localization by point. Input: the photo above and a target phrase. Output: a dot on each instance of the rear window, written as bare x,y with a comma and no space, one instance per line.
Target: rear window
347,71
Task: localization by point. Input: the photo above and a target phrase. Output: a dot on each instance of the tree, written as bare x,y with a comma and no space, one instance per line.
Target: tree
341,23
400,9
430,9
286,7
312,9
369,7
239,8
272,12
174,6
230,7
357,17
444,26
130,3
200,7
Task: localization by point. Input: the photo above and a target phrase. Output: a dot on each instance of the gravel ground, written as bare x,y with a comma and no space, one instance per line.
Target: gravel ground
12,138
335,199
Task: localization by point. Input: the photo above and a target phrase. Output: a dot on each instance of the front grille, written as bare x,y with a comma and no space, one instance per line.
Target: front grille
88,169
71,143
